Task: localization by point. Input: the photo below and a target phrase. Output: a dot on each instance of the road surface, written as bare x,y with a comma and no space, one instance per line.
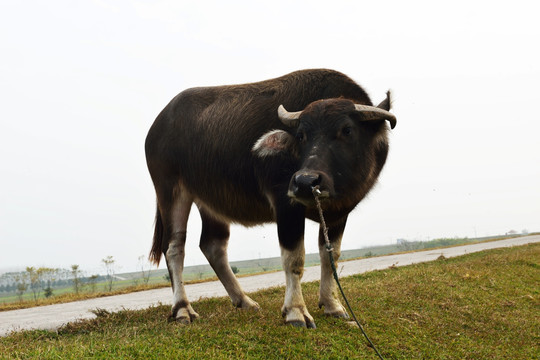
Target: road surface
54,316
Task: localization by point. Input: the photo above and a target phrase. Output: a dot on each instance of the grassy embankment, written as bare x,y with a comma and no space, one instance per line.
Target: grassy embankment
481,306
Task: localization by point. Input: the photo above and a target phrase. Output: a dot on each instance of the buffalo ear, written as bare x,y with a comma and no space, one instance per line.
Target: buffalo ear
386,104
273,143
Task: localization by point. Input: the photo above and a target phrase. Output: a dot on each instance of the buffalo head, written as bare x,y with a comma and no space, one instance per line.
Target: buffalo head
339,147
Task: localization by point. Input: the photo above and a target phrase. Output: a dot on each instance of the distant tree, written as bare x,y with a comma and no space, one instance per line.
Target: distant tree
21,288
48,291
76,278
64,275
34,278
235,269
108,262
145,267
46,278
21,285
92,282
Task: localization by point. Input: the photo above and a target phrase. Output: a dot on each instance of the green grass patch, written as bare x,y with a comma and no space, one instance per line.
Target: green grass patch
480,306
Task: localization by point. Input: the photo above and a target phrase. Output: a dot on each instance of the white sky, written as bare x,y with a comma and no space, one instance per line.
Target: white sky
82,81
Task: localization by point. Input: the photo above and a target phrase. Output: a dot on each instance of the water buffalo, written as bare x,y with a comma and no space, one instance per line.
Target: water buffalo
241,157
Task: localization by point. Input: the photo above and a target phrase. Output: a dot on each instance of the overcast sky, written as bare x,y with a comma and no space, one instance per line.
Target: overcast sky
82,81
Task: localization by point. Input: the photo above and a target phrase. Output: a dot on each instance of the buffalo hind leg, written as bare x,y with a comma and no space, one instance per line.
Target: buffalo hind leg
214,241
328,289
175,236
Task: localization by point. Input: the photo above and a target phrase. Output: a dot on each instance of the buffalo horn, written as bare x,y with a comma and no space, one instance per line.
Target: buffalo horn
370,113
288,118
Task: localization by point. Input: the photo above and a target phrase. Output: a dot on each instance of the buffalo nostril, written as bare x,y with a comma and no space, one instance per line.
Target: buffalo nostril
307,181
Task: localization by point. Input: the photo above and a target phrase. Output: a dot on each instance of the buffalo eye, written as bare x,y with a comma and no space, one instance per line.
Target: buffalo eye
346,131
300,136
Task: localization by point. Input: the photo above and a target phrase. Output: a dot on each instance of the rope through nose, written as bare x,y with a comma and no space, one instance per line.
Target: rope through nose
316,193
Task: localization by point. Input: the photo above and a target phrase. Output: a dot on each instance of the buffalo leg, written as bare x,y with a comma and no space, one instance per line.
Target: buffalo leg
214,241
294,308
328,289
291,237
175,232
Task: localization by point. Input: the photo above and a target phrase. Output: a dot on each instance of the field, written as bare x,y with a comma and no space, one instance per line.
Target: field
480,306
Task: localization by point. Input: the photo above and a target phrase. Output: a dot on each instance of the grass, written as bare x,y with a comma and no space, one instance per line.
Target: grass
481,306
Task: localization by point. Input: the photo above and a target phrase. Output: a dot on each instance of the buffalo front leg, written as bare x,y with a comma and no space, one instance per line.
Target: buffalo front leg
328,289
294,308
175,232
291,237
214,240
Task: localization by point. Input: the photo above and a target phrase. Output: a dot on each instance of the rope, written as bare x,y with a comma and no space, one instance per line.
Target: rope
330,249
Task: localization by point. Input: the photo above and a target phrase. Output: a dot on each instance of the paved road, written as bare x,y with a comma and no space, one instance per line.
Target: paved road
54,316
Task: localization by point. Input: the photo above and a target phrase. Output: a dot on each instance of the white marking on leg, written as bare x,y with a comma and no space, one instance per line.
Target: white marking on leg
328,288
294,308
181,309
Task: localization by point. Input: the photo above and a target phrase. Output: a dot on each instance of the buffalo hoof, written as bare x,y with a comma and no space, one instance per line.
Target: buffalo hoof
339,315
298,317
184,315
247,304
302,324
334,309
